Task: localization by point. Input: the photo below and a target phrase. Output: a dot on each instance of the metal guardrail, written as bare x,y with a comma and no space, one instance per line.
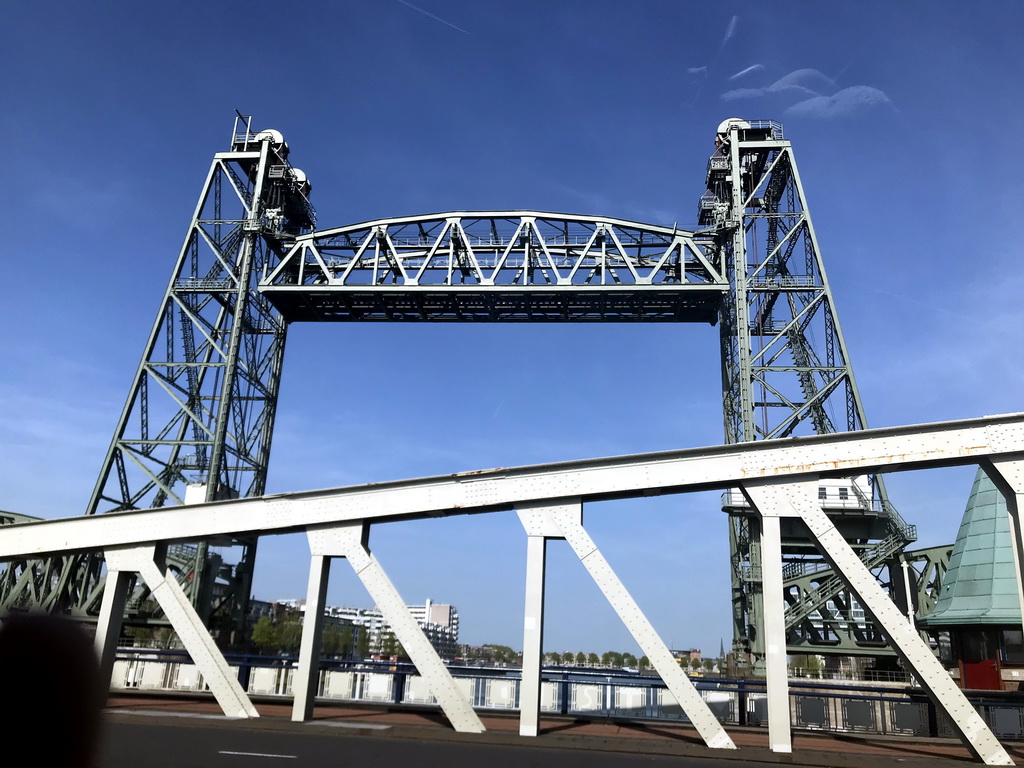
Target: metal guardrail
815,706
774,128
785,281
202,284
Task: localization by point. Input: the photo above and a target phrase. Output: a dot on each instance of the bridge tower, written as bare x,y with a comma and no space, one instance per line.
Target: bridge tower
786,372
199,416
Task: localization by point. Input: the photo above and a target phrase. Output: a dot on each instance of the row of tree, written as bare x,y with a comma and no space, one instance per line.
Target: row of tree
285,635
616,659
503,654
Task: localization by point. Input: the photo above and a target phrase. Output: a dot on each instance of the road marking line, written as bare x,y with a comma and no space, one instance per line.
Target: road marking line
257,754
360,726
162,713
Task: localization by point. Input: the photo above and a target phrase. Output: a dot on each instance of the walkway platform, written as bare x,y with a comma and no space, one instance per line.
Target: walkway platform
653,738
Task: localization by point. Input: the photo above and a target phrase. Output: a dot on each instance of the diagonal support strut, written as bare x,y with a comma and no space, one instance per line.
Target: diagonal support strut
800,499
565,516
179,611
349,541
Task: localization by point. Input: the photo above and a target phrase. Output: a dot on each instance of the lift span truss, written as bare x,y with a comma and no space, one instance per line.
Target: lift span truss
505,266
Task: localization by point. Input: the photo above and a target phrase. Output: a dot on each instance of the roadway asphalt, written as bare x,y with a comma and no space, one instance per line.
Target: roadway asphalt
152,732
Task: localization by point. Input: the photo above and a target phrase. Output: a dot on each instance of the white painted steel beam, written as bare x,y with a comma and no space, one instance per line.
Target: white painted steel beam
566,515
780,737
350,542
307,676
538,530
834,455
172,600
108,624
802,500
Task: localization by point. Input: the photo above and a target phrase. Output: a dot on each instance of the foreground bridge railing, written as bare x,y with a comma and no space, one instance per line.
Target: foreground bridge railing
892,710
778,478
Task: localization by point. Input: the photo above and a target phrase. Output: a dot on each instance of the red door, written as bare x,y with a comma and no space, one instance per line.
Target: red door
979,660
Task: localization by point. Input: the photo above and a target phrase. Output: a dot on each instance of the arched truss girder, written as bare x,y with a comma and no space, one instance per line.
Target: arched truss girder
499,266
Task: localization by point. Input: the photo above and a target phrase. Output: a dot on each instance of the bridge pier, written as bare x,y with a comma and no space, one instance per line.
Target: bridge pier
183,617
563,519
800,499
780,735
350,542
533,622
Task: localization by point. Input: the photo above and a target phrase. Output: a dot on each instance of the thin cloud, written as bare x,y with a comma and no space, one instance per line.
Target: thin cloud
697,70
856,98
806,78
743,93
747,71
435,18
730,30
808,82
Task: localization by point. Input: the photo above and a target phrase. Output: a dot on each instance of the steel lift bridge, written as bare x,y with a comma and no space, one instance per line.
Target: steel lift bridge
199,416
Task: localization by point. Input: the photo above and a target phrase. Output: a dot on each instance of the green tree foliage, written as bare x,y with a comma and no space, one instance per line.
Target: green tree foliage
498,654
290,634
283,635
336,641
593,660
363,644
644,662
264,634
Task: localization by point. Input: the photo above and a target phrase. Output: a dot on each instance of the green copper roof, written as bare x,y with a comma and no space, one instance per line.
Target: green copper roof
980,586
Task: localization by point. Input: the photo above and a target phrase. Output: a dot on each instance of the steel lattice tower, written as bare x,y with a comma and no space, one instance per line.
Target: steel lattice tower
198,420
785,372
199,416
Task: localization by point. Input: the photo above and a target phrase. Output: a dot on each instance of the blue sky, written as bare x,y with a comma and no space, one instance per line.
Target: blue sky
904,118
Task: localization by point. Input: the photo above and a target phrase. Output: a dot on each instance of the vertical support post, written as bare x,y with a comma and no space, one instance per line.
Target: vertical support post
537,528
1008,477
780,736
108,625
914,652
308,674
349,541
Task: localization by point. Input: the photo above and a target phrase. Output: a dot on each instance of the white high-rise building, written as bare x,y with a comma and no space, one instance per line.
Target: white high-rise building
439,622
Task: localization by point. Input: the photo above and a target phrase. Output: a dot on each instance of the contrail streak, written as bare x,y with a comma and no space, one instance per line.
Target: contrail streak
729,31
435,18
747,71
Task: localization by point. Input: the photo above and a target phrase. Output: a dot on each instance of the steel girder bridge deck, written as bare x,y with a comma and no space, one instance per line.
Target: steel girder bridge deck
778,478
198,420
